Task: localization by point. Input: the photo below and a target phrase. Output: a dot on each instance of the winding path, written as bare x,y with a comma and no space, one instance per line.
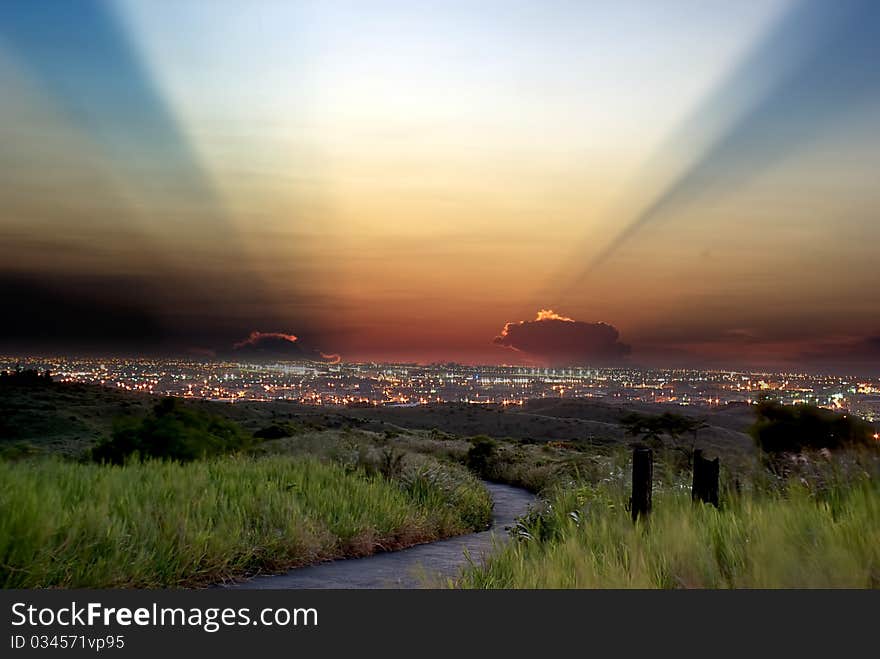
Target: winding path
415,567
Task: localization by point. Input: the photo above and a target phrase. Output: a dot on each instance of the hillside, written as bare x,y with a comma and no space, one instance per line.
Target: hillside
68,418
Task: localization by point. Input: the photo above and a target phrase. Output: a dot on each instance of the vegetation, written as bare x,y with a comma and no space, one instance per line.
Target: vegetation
481,455
277,430
792,428
431,479
822,531
653,428
25,378
172,432
538,467
191,492
161,524
17,451
184,495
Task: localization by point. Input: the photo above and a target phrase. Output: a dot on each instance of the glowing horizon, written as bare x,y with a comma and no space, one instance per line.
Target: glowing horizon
401,181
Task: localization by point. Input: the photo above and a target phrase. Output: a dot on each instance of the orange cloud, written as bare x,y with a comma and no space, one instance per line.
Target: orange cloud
333,358
543,314
255,337
549,314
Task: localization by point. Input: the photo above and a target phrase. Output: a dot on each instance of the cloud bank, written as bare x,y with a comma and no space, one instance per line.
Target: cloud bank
855,355
556,340
277,346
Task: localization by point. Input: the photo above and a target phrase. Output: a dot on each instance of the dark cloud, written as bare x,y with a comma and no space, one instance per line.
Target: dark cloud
276,346
81,314
857,356
560,341
110,314
98,315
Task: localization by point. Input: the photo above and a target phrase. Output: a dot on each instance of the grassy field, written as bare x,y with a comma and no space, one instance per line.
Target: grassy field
312,484
817,530
68,418
161,524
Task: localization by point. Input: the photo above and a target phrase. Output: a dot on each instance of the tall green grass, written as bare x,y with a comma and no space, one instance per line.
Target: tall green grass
160,524
798,536
431,476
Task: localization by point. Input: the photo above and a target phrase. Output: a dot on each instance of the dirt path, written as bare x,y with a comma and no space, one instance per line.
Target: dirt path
409,568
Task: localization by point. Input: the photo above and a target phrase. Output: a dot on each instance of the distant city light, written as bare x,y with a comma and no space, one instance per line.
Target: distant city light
371,384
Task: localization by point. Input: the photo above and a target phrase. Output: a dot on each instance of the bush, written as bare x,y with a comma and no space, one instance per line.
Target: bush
26,378
171,432
459,498
793,428
481,455
277,431
18,451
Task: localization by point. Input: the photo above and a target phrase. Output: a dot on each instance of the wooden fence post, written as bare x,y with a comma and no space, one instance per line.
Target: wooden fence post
643,473
705,484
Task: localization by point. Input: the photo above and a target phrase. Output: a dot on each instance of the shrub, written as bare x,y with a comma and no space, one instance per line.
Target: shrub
481,455
171,432
26,378
793,428
277,431
18,451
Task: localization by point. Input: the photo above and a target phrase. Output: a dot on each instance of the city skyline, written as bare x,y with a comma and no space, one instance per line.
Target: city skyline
649,184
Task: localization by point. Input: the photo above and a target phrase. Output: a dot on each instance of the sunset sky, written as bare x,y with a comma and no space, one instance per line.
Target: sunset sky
682,182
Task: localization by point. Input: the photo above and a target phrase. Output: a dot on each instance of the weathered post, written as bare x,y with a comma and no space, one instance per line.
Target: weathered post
705,483
643,473
713,471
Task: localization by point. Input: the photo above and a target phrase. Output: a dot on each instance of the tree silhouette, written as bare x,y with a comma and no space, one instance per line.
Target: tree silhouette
653,428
